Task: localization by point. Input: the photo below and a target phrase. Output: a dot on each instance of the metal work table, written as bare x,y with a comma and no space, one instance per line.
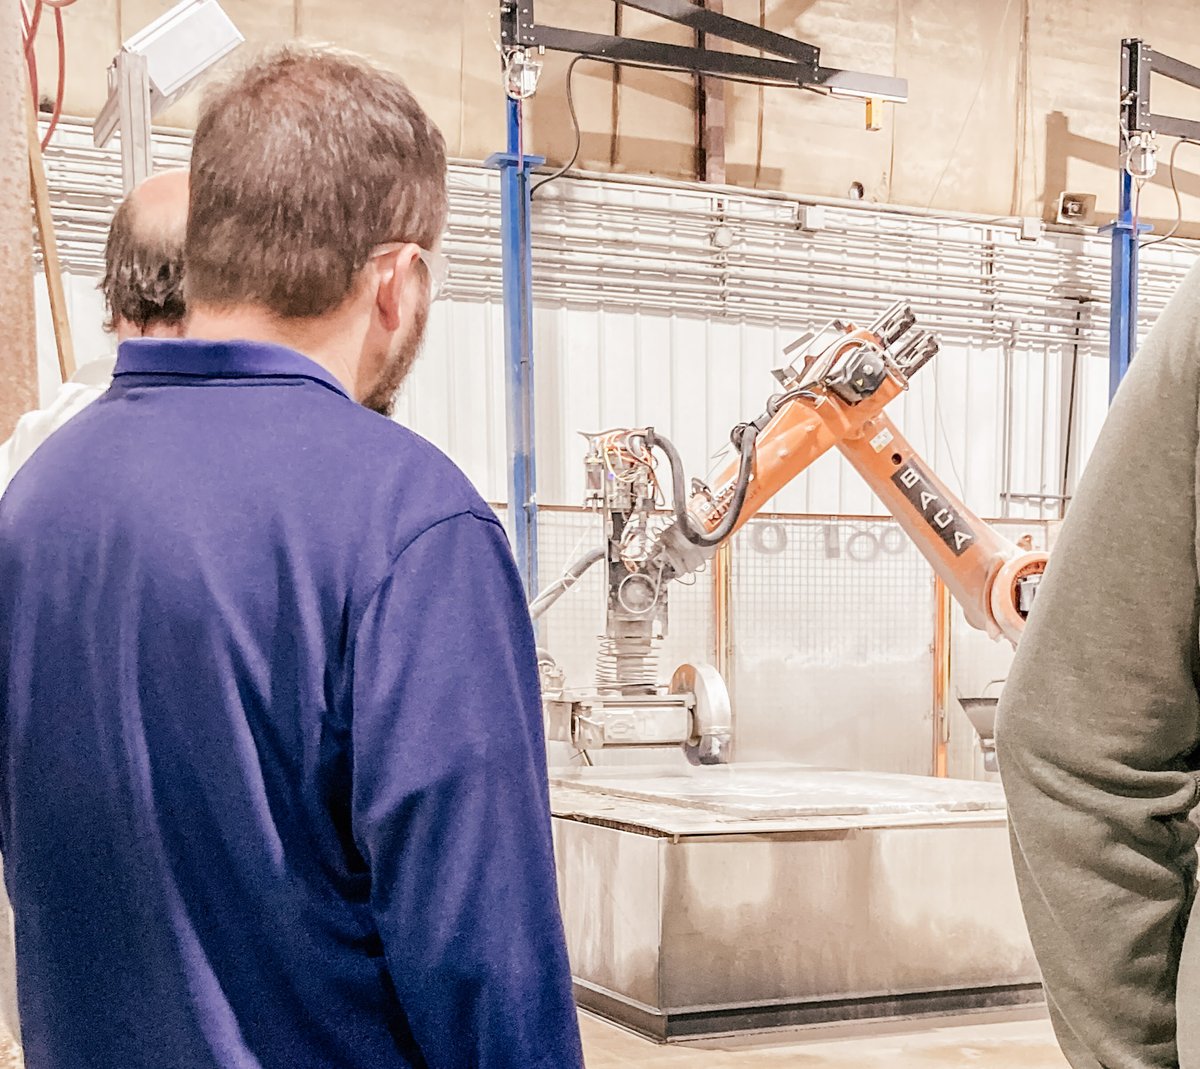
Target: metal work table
743,897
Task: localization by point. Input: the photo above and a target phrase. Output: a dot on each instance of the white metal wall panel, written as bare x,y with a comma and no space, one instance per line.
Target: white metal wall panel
694,379
644,317
85,308
455,394
833,628
668,303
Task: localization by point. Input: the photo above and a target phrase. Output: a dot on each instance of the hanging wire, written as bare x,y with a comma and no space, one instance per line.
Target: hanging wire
984,68
31,23
762,106
574,122
1178,198
60,90
625,63
937,411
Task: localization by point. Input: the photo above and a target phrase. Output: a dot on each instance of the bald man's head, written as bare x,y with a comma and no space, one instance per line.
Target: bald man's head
143,260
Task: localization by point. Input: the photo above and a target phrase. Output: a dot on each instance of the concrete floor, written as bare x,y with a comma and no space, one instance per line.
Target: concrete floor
1010,1040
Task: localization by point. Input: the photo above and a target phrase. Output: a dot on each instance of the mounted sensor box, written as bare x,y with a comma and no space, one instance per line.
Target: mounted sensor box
178,47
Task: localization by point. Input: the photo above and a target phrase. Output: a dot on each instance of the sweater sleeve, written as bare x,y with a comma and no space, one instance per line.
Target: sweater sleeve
1100,721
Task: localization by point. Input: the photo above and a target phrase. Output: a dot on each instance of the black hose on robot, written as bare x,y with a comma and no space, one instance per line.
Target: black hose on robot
687,524
576,569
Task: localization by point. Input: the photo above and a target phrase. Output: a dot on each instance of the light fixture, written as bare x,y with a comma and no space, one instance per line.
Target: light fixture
154,69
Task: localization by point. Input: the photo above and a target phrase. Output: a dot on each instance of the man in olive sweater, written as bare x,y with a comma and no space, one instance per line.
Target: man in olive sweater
1099,728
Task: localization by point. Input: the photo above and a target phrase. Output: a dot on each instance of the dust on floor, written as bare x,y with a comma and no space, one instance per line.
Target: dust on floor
995,1041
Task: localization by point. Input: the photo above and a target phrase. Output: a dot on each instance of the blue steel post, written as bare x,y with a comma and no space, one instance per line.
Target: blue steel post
1122,342
517,260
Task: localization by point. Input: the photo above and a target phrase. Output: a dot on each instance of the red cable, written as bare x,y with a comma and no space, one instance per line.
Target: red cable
62,70
31,25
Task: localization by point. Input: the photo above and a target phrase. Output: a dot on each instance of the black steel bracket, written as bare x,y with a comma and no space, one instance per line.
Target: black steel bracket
798,65
1139,62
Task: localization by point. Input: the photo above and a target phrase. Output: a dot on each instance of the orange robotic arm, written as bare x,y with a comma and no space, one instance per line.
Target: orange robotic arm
837,400
991,578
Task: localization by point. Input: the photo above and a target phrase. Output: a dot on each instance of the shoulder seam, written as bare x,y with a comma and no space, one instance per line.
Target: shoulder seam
471,511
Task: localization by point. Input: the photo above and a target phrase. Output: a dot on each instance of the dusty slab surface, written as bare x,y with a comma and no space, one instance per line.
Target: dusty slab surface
1010,1041
766,797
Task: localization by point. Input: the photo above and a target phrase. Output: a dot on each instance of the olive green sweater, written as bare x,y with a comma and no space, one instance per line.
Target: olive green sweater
1099,728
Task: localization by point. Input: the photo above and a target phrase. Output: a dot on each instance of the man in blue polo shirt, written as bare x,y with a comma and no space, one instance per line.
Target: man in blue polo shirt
272,782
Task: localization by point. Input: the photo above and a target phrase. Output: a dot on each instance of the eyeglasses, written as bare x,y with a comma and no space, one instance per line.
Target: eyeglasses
436,264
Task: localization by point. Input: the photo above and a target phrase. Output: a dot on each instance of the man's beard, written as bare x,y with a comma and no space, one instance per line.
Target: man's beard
404,353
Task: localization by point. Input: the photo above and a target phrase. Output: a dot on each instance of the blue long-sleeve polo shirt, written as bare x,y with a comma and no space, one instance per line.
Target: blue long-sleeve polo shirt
272,781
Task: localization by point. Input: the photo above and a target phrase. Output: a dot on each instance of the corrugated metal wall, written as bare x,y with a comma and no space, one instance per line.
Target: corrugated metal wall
990,416
694,379
669,305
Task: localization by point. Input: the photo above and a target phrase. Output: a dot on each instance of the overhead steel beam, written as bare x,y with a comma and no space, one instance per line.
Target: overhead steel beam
1175,69
675,57
800,66
857,84
1139,63
718,24
1169,126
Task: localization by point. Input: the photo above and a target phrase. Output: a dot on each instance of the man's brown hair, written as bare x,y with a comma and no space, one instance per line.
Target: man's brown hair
301,165
143,271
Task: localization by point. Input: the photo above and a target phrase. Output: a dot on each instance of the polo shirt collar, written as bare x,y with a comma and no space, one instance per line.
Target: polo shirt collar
198,358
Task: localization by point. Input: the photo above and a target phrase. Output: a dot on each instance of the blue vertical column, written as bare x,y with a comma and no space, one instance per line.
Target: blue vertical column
1126,235
517,260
